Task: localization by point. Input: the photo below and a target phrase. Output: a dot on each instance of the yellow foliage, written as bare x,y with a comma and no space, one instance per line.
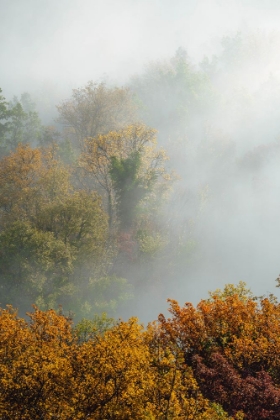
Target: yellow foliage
123,373
97,157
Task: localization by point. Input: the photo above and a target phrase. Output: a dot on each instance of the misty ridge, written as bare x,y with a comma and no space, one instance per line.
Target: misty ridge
215,222
115,195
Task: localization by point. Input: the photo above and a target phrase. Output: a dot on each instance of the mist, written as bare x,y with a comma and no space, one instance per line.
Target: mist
223,143
69,43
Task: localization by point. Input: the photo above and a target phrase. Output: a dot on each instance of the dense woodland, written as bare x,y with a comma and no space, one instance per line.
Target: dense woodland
138,191
219,360
116,202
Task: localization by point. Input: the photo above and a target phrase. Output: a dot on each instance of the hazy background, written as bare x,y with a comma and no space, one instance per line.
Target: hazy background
49,47
69,42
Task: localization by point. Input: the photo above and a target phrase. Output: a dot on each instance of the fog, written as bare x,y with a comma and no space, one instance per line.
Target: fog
226,152
69,42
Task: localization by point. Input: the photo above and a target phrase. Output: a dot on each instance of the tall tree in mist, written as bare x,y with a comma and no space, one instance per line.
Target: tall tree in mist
96,109
171,92
5,114
128,186
21,123
123,162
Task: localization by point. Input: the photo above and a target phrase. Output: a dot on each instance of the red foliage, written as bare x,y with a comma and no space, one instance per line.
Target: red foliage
255,395
232,343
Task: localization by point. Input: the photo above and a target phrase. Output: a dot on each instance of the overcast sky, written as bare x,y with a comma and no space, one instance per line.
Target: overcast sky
69,42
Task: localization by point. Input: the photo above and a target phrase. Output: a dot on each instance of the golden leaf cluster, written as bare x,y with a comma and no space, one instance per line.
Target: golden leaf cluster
123,373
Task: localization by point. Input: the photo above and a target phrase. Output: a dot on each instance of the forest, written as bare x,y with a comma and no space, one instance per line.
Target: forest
141,192
136,193
219,360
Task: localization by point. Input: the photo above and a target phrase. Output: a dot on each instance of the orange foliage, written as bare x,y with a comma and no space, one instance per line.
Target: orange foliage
124,373
247,332
202,363
34,365
232,342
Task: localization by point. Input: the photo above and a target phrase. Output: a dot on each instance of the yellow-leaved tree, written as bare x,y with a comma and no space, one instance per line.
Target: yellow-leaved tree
124,372
126,168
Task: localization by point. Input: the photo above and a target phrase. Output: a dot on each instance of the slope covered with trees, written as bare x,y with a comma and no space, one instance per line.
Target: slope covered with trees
75,206
95,214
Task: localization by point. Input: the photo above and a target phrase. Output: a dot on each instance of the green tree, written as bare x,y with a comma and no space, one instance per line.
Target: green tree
5,114
123,165
79,221
25,124
19,123
130,189
171,93
53,238
33,265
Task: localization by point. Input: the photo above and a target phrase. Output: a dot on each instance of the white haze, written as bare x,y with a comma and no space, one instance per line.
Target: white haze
48,47
69,42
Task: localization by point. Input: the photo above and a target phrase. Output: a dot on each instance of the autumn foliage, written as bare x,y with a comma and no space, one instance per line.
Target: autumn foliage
217,361
123,373
81,225
231,341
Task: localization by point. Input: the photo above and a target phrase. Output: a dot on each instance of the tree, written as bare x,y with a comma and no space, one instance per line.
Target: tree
5,114
34,265
96,109
120,372
19,173
231,342
171,92
21,123
78,221
129,187
124,165
33,129
53,238
253,394
35,367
